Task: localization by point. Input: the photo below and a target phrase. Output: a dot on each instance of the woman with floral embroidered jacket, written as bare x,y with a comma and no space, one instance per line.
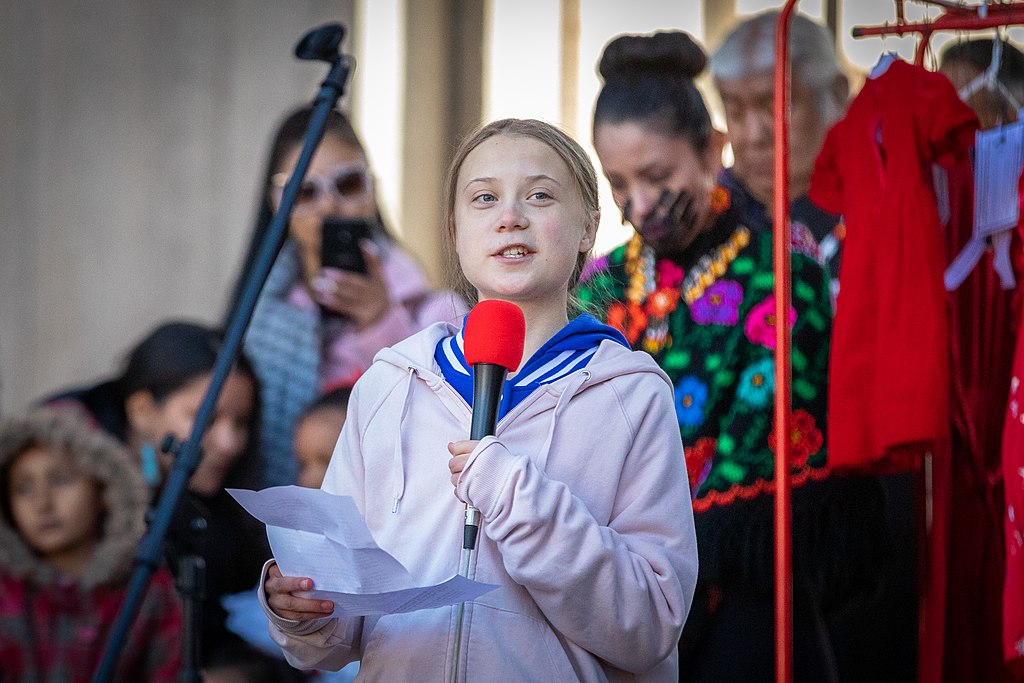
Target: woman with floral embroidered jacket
694,288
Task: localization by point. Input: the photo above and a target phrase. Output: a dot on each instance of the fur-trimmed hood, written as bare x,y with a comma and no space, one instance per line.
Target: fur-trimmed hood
124,493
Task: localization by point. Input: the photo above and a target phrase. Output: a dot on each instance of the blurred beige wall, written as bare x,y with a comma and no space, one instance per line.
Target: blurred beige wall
133,135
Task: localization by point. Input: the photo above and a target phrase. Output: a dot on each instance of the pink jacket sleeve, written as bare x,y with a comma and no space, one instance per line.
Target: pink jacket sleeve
401,321
643,563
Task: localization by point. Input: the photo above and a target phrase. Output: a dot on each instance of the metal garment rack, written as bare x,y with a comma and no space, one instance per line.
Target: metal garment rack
956,17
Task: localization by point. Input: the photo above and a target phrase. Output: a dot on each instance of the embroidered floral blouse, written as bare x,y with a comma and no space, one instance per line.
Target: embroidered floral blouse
709,322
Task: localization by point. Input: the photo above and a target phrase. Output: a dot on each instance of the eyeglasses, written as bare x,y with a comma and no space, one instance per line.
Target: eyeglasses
348,183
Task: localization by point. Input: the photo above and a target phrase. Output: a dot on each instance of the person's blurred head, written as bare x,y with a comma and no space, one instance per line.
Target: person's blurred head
163,384
70,496
652,130
316,433
966,62
55,505
549,154
742,70
338,183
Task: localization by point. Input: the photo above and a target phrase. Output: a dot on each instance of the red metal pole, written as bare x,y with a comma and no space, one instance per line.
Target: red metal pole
922,47
783,374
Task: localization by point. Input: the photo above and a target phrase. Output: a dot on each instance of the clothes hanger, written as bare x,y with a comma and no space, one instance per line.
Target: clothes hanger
885,60
989,78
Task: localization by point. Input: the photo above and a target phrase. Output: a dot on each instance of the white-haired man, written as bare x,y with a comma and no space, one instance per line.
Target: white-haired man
742,71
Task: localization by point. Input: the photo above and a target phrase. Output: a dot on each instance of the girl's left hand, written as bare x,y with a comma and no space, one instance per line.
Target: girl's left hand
460,451
363,299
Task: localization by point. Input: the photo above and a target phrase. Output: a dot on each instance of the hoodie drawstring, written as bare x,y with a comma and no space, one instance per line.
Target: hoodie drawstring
398,463
563,400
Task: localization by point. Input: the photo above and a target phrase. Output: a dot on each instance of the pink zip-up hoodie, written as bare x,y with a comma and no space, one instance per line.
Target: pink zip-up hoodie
587,526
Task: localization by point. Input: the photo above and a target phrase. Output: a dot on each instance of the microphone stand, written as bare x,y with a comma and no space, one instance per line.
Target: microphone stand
182,544
191,585
488,380
319,44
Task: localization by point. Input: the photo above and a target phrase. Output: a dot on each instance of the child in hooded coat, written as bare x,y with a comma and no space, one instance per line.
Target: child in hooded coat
73,509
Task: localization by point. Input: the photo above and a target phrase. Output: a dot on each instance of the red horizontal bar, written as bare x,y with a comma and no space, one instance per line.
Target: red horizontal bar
951,7
948,23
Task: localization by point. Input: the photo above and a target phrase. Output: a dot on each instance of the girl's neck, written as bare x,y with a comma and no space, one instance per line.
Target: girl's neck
135,436
72,562
541,324
134,440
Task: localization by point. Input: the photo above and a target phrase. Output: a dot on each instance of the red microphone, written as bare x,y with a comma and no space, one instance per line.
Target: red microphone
493,344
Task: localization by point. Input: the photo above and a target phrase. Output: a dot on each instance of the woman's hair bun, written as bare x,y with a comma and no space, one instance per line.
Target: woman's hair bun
664,54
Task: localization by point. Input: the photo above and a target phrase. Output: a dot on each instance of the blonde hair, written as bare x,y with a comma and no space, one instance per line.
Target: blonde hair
568,150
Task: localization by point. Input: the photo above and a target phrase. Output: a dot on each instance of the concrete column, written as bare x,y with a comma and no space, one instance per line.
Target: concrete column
443,86
719,16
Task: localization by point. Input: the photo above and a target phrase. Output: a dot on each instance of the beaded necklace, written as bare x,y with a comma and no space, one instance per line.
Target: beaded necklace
655,286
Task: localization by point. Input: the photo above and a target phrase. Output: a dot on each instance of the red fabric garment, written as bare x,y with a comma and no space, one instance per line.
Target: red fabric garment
1013,482
1013,473
888,371
57,632
982,339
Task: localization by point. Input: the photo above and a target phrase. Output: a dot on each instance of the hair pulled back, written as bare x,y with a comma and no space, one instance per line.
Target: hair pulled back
648,79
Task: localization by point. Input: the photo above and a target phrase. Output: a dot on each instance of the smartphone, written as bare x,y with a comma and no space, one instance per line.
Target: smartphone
339,243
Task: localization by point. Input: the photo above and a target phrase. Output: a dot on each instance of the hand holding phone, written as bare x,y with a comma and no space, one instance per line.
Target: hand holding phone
340,244
359,292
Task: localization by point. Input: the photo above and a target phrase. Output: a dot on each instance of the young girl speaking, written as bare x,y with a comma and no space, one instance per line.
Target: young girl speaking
587,527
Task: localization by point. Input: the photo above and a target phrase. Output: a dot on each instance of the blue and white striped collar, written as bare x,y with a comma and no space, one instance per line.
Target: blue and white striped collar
570,349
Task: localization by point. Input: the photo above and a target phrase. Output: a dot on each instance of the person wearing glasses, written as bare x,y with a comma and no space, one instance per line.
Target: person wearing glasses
318,327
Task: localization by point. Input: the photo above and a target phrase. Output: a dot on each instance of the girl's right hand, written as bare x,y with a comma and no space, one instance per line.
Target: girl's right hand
281,597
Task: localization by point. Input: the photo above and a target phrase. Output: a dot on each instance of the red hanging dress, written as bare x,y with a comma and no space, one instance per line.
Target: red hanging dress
889,368
1013,482
982,340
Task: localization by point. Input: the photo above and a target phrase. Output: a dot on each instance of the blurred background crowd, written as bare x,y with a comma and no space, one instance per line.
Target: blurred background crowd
143,153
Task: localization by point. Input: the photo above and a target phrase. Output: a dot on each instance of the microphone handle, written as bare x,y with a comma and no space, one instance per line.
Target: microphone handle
488,380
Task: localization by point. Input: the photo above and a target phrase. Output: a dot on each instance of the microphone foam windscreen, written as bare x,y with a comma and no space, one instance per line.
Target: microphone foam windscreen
495,333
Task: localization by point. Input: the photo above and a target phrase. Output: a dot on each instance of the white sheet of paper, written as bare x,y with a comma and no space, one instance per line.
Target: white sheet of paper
320,535
333,566
454,590
306,509
999,153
